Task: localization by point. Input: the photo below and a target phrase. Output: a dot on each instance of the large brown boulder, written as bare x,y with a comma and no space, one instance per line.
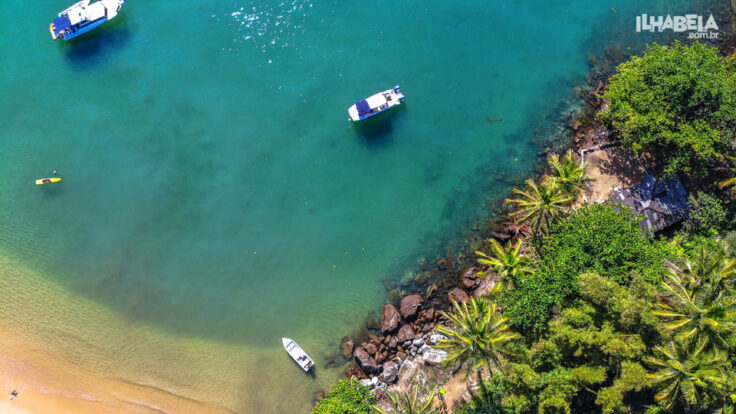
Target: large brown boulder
346,347
390,319
457,295
410,305
406,333
370,348
427,315
470,279
390,372
355,372
500,236
366,362
486,286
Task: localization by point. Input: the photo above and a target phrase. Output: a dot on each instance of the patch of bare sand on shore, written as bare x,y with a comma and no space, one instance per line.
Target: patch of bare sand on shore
610,168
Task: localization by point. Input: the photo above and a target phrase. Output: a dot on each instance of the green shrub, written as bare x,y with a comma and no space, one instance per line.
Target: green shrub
707,215
675,101
346,397
599,238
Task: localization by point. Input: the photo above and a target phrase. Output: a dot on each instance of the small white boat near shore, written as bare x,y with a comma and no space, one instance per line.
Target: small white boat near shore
297,354
375,104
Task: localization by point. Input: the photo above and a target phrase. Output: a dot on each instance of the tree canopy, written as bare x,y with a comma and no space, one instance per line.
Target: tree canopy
346,397
599,238
675,101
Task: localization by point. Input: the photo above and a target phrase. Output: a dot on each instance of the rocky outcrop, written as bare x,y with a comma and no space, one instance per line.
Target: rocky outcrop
365,361
369,382
457,295
485,285
406,333
390,319
470,278
500,236
370,348
346,347
434,339
410,306
427,315
433,356
390,372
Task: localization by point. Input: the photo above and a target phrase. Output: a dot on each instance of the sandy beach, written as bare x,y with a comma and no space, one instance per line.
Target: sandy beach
47,383
64,353
57,357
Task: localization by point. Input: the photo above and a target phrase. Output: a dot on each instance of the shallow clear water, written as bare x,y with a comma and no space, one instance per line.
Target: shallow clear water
213,187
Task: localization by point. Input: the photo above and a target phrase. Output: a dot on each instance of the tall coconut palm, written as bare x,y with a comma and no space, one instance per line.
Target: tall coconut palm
728,406
569,173
699,304
730,182
507,263
539,204
411,401
478,337
691,378
714,270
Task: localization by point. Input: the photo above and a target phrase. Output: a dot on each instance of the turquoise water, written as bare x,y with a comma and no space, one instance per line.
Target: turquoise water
213,187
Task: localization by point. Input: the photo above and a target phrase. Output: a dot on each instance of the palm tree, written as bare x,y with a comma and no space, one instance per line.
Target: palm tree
478,337
729,405
730,182
539,205
507,263
695,377
714,270
568,173
699,304
410,401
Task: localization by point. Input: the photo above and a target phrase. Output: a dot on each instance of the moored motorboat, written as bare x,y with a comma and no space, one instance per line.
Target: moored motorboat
83,17
297,354
42,181
375,104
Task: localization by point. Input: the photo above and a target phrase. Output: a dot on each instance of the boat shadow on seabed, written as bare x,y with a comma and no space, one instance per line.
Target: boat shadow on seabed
90,48
377,132
311,373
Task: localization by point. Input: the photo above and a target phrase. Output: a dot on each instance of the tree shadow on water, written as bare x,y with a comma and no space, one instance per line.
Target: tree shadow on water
92,47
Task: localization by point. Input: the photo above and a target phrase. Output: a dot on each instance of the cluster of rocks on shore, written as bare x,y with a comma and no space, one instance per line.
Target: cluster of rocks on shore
406,336
404,333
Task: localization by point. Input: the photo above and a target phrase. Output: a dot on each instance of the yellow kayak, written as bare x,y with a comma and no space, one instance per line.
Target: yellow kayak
42,181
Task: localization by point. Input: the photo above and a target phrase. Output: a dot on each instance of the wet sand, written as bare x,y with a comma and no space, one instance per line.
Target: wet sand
63,353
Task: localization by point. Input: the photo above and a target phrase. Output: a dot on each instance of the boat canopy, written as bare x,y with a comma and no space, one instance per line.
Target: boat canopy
62,23
363,107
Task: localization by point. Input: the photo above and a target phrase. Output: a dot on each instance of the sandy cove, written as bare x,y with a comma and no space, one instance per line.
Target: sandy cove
48,383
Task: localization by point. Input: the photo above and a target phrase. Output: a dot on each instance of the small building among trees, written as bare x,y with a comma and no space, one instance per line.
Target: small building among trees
662,202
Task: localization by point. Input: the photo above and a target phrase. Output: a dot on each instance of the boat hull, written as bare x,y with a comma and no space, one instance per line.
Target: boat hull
297,354
82,17
83,30
376,104
42,181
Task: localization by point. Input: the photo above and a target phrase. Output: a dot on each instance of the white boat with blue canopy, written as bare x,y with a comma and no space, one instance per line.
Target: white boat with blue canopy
83,17
297,354
374,105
